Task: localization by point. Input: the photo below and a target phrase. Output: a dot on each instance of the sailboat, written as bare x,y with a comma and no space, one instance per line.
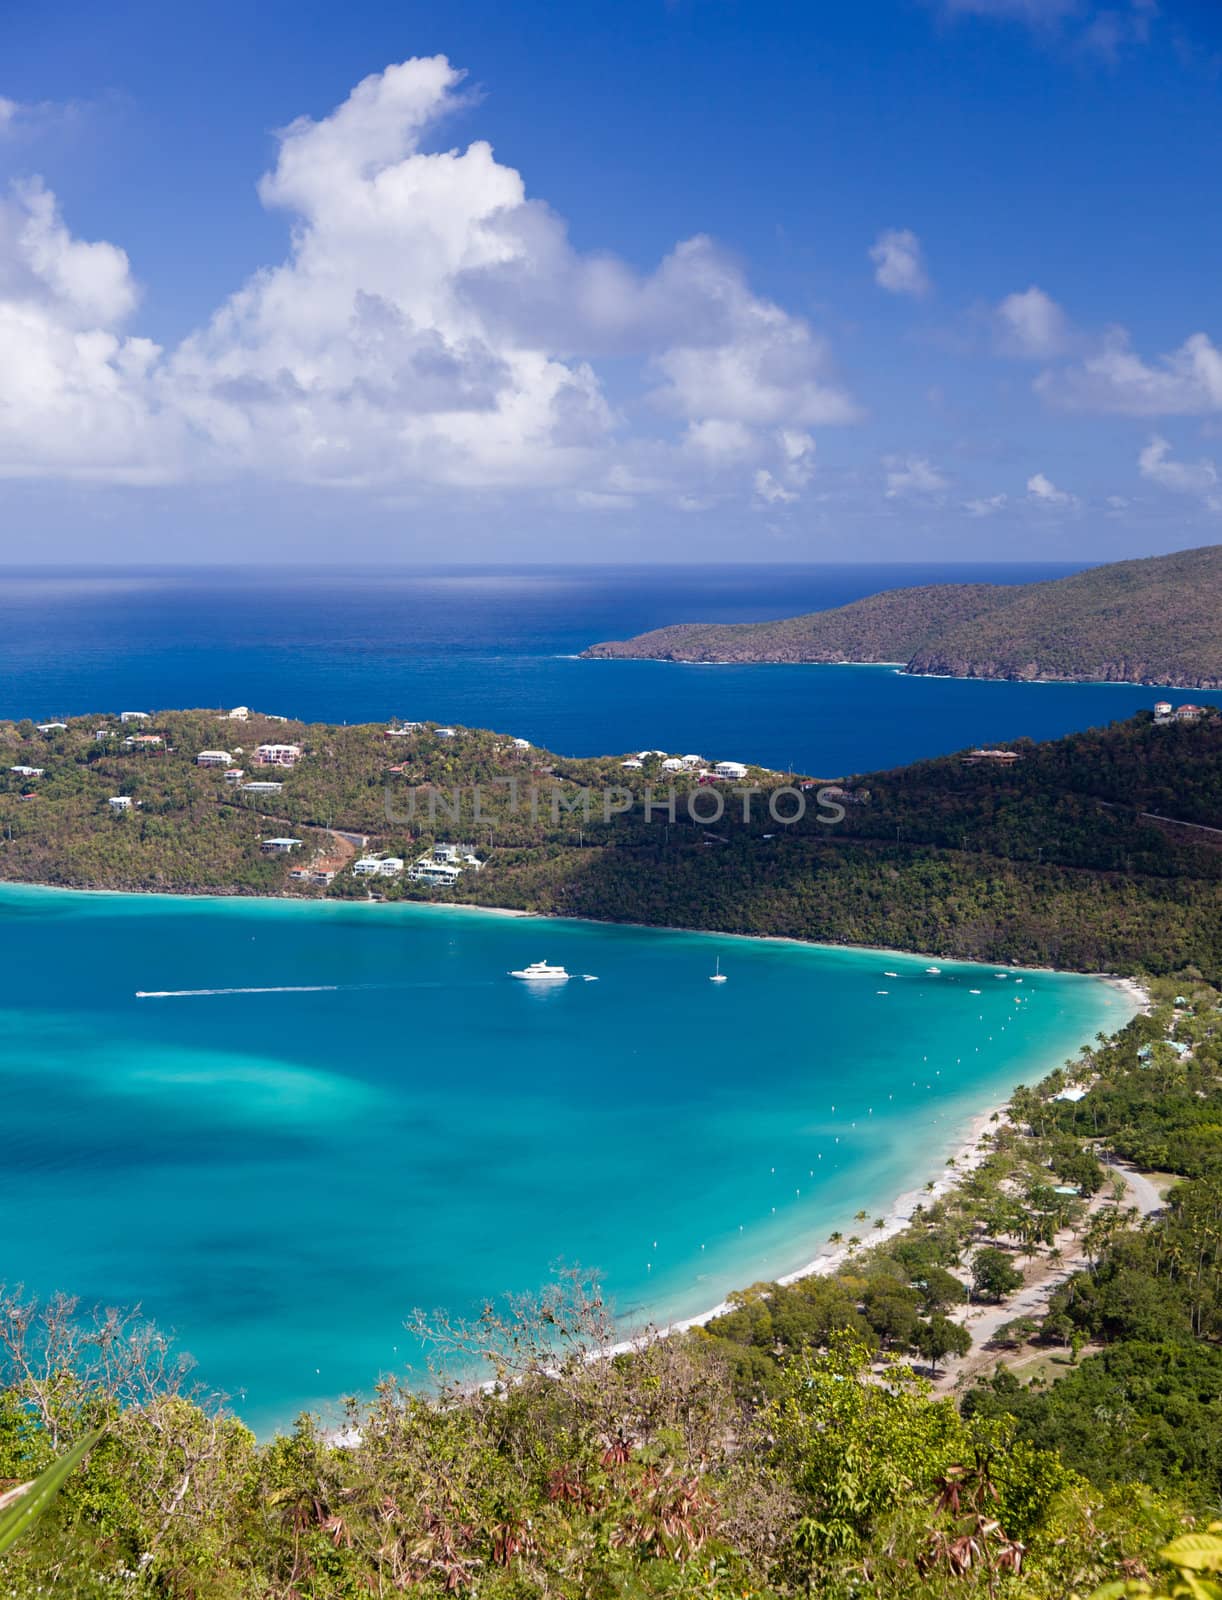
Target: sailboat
717,975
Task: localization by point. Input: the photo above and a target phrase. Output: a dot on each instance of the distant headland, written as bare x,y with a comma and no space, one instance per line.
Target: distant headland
1152,621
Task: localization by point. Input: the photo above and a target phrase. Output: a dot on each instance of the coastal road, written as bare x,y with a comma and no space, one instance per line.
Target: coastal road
982,1322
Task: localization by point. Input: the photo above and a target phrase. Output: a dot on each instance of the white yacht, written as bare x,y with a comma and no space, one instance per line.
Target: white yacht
541,972
933,969
717,975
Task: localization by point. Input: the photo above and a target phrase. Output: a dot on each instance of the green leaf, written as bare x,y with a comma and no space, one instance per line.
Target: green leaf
24,1512
1199,1552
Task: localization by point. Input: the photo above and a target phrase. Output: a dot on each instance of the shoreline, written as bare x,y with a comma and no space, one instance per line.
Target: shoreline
1126,983
900,668
964,1149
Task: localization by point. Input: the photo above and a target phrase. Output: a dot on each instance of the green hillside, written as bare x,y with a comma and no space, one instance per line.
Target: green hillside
1156,621
1048,860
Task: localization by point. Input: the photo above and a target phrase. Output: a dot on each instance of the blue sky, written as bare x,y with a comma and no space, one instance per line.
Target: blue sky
645,280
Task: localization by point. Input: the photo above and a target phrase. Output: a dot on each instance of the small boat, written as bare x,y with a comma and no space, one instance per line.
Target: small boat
973,991
541,972
933,969
717,975
882,991
890,974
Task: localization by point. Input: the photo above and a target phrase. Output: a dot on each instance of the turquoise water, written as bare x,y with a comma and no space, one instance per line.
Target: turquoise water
281,1177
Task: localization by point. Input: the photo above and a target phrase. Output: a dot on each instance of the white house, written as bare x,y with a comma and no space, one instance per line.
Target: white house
1162,710
280,847
52,727
134,716
446,733
672,764
730,769
120,802
238,714
214,758
426,870
278,755
262,788
378,866
1072,1095
1183,714
693,761
521,744
632,764
235,774
28,772
321,876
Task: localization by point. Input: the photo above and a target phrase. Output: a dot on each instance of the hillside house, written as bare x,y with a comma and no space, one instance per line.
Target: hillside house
1163,710
320,876
279,847
729,769
278,755
142,741
378,866
1189,713
426,870
262,788
52,727
120,802
28,772
238,714
214,758
999,758
134,716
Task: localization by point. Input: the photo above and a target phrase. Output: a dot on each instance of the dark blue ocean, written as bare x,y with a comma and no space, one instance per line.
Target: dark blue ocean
494,647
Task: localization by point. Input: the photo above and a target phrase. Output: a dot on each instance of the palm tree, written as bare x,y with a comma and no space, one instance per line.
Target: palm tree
835,1238
859,1216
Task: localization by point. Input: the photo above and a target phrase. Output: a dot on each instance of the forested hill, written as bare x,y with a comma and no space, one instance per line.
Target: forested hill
1153,621
1052,858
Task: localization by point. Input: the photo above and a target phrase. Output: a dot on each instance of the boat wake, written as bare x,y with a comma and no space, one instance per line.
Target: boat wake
185,994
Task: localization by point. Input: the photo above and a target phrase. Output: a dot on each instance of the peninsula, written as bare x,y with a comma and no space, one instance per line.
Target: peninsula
1151,621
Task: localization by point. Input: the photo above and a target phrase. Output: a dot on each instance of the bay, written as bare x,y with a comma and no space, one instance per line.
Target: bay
282,1176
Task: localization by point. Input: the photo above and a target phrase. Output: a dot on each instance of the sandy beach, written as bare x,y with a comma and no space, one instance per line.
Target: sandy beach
965,1154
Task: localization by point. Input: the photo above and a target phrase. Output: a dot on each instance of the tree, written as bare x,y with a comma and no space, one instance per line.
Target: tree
940,1337
994,1275
939,1289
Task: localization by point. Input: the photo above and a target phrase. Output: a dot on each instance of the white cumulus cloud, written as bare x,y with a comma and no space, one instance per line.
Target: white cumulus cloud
430,326
988,506
1031,324
912,476
899,264
1199,478
1115,378
1043,492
